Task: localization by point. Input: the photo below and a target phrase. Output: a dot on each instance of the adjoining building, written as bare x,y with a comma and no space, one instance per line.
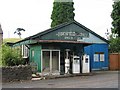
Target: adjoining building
50,48
1,35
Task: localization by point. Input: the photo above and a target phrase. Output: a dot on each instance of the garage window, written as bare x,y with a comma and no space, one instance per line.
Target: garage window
24,51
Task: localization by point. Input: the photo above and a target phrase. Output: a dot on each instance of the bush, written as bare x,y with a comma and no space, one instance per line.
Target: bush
11,56
114,45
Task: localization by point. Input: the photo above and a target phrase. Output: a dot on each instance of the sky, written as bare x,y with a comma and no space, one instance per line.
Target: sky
34,16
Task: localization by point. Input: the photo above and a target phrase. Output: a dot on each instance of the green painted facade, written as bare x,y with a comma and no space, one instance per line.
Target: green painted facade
26,42
71,32
35,55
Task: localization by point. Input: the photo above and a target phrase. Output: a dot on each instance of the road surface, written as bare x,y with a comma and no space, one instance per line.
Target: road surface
101,79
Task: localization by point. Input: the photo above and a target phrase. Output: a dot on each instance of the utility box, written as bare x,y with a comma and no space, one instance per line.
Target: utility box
76,64
86,64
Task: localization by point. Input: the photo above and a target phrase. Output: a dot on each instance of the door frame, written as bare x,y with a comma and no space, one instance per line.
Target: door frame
49,50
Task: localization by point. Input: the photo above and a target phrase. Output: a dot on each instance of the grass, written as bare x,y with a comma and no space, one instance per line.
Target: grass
11,40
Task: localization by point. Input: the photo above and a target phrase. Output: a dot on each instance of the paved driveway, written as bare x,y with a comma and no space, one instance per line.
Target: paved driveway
101,79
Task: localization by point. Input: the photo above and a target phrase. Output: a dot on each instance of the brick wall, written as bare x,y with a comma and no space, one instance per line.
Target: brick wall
16,73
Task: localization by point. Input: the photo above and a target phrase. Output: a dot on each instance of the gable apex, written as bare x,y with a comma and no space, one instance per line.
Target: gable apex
67,24
69,29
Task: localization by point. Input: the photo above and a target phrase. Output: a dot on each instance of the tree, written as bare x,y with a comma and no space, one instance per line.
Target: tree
114,45
115,15
62,12
18,31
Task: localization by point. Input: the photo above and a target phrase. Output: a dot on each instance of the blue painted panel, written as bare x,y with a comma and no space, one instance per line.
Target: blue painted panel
97,48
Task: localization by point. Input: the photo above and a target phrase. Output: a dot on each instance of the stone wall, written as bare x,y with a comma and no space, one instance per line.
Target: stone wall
16,73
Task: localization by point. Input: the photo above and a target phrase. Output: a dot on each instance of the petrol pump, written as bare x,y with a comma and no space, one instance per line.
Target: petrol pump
76,64
67,62
86,64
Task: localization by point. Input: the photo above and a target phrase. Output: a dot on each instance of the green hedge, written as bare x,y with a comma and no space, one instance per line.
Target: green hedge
11,56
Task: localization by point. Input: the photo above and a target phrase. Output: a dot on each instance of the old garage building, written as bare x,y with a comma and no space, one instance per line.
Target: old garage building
48,48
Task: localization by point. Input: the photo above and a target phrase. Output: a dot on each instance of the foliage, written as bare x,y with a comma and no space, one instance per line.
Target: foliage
62,12
114,45
115,15
18,31
11,56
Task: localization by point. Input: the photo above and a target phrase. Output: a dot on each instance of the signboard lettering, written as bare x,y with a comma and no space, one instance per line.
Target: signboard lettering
72,35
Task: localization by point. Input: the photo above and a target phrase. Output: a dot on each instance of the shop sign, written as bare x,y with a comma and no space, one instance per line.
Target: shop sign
72,35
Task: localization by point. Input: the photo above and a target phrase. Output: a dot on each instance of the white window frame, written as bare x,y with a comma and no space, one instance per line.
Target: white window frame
25,51
50,50
96,57
102,57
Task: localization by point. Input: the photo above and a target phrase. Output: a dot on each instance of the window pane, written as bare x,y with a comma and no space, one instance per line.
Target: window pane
46,61
101,57
55,60
96,57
